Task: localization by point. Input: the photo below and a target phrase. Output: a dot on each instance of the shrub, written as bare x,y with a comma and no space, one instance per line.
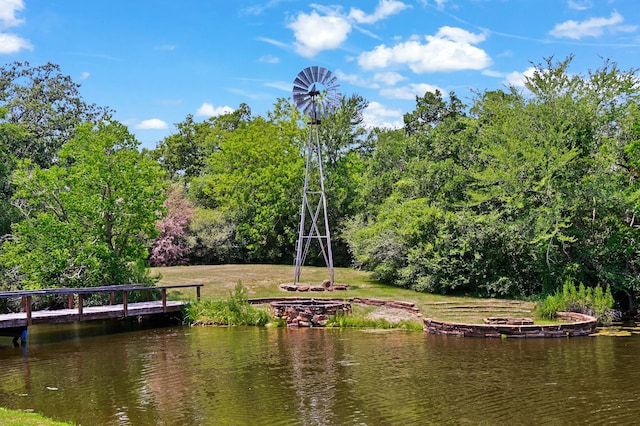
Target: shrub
236,310
586,300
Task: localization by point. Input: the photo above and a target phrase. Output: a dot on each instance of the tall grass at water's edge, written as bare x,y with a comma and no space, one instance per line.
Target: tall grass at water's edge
235,310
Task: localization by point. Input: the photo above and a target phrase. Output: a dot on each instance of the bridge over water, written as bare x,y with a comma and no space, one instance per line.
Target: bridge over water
15,324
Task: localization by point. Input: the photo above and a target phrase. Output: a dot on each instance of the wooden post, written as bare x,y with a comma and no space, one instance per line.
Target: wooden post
125,297
112,298
80,304
198,292
70,301
28,309
164,300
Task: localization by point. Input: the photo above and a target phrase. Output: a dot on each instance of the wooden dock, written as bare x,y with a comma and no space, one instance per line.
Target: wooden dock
15,324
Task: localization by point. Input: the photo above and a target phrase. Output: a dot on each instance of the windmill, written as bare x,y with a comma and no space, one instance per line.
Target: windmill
315,93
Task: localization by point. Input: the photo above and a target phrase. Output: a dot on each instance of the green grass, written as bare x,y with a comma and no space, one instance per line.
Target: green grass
358,321
264,281
234,310
21,418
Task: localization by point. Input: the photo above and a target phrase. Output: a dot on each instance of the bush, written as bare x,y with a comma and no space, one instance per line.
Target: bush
236,310
585,300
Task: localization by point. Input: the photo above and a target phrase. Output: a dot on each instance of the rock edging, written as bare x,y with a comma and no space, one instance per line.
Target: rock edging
579,325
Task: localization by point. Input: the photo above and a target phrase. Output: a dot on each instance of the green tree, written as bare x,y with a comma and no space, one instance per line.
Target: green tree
89,219
184,154
254,179
47,105
529,189
10,135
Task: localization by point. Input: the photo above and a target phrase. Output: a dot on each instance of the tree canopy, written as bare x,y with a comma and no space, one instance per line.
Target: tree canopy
89,219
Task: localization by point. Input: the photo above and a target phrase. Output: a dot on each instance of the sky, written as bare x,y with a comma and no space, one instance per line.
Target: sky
155,62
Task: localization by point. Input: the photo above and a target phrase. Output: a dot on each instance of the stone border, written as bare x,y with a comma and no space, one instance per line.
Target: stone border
580,325
314,312
308,312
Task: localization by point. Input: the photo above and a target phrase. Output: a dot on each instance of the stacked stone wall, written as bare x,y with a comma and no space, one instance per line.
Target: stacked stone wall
579,325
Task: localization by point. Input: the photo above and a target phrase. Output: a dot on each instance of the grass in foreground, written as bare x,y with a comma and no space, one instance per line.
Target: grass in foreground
264,281
21,418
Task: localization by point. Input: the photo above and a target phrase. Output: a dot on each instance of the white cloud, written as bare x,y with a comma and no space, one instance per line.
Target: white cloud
459,35
11,43
356,80
168,47
385,8
152,124
439,3
410,91
208,110
492,73
8,9
269,59
593,27
280,85
389,78
450,49
377,115
315,33
580,4
517,78
327,27
273,42
85,75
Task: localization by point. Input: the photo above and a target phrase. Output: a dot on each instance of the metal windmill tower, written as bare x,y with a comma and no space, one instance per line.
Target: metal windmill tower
315,93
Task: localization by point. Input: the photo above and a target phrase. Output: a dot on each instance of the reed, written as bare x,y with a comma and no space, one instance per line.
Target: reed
235,310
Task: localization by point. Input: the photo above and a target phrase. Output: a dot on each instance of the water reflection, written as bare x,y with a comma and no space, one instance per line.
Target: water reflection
276,376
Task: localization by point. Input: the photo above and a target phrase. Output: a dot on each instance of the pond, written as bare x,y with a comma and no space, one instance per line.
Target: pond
94,374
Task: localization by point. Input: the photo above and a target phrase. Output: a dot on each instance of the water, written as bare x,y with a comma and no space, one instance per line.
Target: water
97,375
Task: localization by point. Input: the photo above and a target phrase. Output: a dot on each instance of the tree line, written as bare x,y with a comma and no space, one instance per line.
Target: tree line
512,195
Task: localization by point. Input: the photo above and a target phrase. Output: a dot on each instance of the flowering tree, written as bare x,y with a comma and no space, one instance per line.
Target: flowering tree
170,247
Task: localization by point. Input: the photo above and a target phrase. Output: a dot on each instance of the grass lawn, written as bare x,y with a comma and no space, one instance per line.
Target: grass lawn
21,418
264,281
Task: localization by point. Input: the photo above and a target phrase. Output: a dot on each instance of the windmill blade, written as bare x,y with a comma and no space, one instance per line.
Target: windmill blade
312,81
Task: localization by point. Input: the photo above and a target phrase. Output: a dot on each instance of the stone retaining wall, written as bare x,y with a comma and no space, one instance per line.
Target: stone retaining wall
579,325
309,312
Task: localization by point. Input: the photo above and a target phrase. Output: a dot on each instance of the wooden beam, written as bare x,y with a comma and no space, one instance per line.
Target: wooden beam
28,309
80,305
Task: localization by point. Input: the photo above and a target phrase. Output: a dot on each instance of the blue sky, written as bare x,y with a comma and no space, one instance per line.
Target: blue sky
154,62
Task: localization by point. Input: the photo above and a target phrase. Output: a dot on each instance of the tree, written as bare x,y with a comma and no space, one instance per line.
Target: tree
47,105
527,191
184,154
10,135
88,219
170,248
254,180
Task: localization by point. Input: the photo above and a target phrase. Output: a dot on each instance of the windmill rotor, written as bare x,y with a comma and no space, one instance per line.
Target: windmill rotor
315,92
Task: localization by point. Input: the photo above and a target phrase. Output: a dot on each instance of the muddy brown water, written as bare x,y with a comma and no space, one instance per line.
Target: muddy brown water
106,374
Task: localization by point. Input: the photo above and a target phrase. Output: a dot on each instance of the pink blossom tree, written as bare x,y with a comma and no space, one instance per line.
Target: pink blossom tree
170,248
